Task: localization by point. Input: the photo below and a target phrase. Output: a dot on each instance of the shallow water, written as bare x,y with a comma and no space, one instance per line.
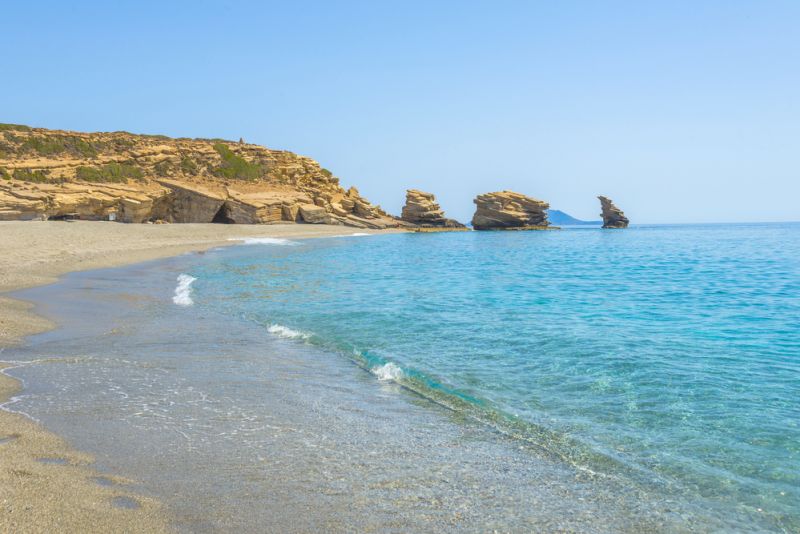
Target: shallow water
591,380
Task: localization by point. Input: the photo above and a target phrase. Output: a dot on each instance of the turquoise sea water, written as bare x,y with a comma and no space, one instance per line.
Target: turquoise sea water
670,353
638,380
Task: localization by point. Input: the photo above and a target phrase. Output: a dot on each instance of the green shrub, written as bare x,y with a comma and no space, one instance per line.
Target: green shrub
49,146
43,146
86,149
163,168
188,166
4,174
30,175
7,149
15,127
11,138
326,172
111,173
121,140
236,167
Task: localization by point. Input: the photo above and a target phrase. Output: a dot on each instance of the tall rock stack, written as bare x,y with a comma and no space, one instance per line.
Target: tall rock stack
422,210
509,210
613,217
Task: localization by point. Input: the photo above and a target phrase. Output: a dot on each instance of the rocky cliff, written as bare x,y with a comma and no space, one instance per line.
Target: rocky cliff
613,217
421,209
509,210
141,178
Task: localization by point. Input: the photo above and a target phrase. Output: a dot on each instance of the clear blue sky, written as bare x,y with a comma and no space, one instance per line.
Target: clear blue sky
680,111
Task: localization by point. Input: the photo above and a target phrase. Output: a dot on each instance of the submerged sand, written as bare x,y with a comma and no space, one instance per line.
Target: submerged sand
45,486
49,487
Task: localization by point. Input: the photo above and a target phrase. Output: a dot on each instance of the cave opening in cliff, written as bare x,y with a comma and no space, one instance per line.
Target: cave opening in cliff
223,215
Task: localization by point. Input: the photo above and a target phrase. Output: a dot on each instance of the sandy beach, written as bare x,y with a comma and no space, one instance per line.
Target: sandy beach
46,485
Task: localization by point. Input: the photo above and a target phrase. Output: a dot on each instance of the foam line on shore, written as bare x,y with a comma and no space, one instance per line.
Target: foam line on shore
354,234
5,403
265,241
286,332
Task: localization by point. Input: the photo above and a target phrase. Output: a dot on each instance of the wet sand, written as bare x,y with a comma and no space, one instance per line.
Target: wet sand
45,486
49,487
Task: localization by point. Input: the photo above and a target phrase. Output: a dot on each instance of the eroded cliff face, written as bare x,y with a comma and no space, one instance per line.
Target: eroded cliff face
421,209
505,210
613,217
141,178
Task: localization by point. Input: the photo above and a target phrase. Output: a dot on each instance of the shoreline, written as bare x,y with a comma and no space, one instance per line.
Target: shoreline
321,414
37,253
49,486
297,381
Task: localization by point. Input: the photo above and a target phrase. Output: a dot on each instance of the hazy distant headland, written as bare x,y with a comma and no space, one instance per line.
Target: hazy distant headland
564,219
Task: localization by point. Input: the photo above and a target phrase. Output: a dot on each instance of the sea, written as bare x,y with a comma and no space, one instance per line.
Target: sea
582,380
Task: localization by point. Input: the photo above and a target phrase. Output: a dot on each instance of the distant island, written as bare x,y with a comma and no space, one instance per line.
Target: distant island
560,218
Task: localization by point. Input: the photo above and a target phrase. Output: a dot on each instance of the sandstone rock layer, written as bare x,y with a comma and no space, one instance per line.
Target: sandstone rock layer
421,209
140,178
509,210
613,217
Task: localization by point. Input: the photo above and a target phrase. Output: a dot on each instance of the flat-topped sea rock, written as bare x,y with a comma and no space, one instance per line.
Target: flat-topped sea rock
507,210
421,209
613,217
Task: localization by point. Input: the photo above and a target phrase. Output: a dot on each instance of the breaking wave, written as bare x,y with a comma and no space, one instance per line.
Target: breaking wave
355,234
287,333
388,372
183,291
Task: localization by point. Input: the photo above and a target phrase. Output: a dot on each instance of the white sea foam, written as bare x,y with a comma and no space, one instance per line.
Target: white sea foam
183,291
356,234
287,333
265,241
388,372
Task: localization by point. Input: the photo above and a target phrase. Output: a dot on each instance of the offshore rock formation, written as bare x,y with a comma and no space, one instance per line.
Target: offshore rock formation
509,210
421,209
140,178
613,217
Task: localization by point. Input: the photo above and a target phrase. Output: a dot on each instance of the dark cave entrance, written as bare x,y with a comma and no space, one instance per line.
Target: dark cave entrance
223,215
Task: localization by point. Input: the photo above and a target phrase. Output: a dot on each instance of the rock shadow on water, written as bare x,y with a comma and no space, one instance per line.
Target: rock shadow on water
53,461
121,501
103,481
8,439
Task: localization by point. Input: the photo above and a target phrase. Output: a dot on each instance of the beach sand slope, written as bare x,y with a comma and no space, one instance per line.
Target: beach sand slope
45,485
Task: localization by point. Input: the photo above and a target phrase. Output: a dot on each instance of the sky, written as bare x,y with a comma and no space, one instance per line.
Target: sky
680,111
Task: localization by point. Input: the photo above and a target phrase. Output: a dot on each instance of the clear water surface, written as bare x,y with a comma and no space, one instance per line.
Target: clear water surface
662,359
